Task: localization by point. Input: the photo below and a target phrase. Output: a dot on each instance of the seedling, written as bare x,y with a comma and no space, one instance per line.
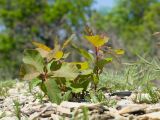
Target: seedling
62,80
17,109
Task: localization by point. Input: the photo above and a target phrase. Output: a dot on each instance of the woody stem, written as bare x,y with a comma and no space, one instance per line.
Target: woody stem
97,69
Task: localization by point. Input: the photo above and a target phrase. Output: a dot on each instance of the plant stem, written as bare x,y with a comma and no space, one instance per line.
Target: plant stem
97,69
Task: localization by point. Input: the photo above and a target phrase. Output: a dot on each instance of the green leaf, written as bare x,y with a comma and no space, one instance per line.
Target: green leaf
81,65
84,82
58,55
66,95
119,51
85,112
80,85
95,79
84,53
93,97
42,52
76,89
33,57
35,82
86,72
65,55
53,91
68,41
43,88
97,40
67,70
55,65
28,72
42,46
103,62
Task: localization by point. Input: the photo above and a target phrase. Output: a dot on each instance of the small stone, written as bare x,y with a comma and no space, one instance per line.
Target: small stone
12,91
9,118
44,119
115,114
74,105
123,103
37,114
150,116
2,114
64,111
71,105
34,116
19,85
8,113
152,109
1,98
132,108
47,114
55,117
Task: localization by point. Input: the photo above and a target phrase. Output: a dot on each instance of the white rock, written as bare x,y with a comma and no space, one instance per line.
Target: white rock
9,118
55,117
20,85
150,116
9,113
2,113
34,116
13,91
132,108
152,108
71,105
122,103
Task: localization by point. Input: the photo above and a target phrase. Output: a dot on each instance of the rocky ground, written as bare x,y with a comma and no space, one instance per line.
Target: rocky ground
31,106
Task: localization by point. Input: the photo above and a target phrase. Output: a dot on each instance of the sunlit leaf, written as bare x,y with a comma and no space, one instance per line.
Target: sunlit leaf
87,72
55,53
65,55
33,57
97,40
28,72
42,46
119,51
67,70
43,52
56,42
58,55
81,65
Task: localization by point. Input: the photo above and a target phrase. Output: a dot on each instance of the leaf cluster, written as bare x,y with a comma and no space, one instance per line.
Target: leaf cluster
62,80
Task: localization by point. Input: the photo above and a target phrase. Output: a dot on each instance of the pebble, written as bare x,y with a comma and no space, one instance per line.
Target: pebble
132,108
150,116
